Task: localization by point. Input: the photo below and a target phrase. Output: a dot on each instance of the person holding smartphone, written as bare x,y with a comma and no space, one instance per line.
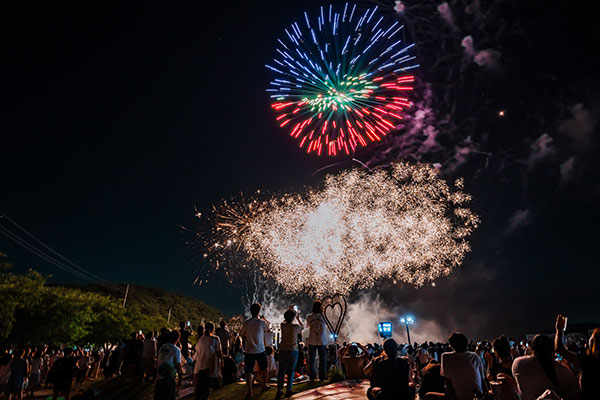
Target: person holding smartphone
288,350
353,362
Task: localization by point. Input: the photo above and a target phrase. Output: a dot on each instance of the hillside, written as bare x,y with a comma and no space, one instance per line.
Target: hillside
156,301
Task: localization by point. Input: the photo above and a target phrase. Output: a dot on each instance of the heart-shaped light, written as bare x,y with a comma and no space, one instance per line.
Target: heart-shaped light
334,312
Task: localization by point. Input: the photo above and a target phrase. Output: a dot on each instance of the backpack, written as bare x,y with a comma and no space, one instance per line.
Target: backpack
166,370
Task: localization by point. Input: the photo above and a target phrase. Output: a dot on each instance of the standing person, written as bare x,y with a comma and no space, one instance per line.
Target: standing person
162,338
148,356
539,372
389,374
253,332
463,370
19,369
209,361
317,341
36,370
588,363
288,351
82,367
5,361
224,336
169,366
184,340
236,348
63,371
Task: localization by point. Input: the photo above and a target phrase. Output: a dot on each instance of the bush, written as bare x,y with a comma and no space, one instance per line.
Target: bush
335,375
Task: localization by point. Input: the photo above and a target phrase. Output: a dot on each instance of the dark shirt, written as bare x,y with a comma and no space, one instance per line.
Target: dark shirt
392,377
432,381
161,340
497,368
64,369
229,370
590,377
184,340
134,349
18,368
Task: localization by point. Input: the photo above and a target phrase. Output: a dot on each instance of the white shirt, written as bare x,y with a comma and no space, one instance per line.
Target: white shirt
532,381
269,337
317,335
465,371
206,349
253,330
168,353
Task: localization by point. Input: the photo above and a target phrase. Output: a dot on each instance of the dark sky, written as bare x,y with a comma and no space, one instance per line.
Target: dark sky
118,119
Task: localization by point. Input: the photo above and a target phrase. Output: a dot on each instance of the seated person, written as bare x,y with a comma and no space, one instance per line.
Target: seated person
537,373
354,363
271,364
389,375
463,370
432,382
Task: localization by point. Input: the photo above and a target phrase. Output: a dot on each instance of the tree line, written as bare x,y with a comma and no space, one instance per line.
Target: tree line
35,313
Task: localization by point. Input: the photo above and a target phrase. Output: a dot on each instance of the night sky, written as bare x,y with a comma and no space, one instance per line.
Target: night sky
117,120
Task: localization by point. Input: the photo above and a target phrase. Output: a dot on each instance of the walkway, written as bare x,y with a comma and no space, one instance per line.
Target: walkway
337,391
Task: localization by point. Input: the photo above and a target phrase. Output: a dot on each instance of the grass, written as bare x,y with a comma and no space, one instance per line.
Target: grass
237,391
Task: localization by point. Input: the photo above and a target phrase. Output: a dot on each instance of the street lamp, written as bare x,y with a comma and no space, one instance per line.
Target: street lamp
407,321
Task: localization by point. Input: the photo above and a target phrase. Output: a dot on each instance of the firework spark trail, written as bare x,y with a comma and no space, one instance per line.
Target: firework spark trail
340,79
405,223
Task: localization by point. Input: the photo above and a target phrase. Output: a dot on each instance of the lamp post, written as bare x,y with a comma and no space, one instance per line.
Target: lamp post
407,321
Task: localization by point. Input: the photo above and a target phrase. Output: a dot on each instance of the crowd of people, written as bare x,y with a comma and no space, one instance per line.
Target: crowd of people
25,370
542,368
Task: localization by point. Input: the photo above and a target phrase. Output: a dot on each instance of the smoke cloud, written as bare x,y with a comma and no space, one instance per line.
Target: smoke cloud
446,14
399,7
518,220
580,126
488,58
366,312
541,148
468,46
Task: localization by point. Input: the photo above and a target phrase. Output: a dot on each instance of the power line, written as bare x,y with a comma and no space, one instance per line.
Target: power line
41,254
83,270
73,268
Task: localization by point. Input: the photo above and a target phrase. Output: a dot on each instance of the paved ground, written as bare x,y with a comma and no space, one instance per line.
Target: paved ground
337,391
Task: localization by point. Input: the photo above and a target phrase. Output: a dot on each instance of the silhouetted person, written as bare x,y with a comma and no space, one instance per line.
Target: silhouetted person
389,374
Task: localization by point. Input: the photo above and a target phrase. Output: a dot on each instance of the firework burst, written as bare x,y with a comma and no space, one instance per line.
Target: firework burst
405,223
341,79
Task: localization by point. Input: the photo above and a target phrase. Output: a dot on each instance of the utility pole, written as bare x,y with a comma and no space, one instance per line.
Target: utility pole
126,293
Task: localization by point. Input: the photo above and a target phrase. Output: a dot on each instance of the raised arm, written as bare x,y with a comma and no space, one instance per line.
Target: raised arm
559,344
344,351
